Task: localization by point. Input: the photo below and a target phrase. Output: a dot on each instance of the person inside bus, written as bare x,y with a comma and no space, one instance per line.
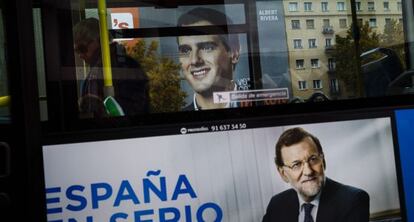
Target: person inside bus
208,61
129,80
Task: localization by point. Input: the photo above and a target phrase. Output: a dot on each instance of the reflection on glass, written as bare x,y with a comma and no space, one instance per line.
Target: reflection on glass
312,69
300,47
381,46
4,89
380,26
40,63
124,91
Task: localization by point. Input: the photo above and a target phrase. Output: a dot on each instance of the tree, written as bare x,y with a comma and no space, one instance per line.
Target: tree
345,54
393,38
164,77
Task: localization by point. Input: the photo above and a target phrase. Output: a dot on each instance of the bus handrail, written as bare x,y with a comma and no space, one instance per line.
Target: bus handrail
4,101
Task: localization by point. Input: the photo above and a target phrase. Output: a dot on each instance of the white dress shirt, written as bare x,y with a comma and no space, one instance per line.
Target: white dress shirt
314,212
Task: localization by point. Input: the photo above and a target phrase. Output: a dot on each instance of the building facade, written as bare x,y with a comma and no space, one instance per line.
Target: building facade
311,29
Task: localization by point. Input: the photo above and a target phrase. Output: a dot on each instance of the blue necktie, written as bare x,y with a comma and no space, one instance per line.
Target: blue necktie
308,209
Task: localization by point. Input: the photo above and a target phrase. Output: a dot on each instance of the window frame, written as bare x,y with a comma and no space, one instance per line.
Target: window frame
295,24
316,83
340,6
293,6
312,24
317,63
325,6
302,85
298,66
371,6
307,6
312,43
297,46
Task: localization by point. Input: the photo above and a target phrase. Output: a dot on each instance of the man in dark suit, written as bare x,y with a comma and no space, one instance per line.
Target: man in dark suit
313,198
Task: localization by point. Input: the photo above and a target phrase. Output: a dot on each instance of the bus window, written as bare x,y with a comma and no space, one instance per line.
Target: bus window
381,46
4,89
283,52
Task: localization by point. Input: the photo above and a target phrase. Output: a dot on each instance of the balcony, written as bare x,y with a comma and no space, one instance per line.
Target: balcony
327,30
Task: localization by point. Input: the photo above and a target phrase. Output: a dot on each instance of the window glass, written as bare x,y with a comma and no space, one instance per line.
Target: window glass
293,6
190,63
373,22
300,64
328,43
4,87
315,63
302,85
399,6
334,86
308,6
381,42
40,63
324,6
317,84
312,43
386,6
371,6
342,23
161,55
340,6
358,6
310,24
295,24
297,43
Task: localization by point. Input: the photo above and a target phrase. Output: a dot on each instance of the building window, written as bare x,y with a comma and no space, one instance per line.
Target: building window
358,6
315,63
328,43
386,6
340,6
400,20
312,43
387,21
331,64
295,24
293,7
308,6
326,23
334,86
302,85
399,6
297,43
342,23
300,64
373,22
317,84
360,22
371,6
324,6
310,24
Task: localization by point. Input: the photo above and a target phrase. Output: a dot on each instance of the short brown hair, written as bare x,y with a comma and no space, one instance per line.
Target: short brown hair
216,18
293,136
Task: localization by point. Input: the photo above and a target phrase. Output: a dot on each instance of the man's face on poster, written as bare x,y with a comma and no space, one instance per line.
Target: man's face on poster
308,179
206,62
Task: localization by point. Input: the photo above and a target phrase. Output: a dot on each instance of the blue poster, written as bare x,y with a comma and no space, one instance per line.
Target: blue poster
405,126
